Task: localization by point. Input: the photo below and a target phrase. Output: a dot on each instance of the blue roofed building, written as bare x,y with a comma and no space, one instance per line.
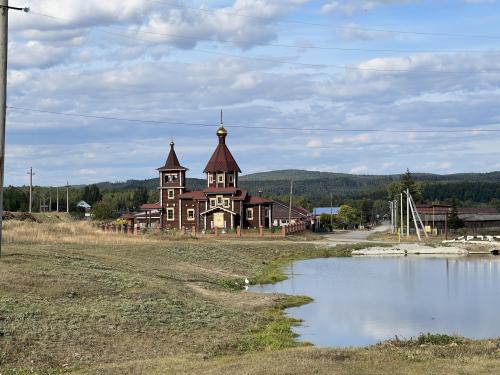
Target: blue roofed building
318,211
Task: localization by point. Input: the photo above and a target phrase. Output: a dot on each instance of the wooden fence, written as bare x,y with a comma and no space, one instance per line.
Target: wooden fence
285,231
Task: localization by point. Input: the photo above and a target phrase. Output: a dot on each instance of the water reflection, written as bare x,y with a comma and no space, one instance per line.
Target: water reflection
362,300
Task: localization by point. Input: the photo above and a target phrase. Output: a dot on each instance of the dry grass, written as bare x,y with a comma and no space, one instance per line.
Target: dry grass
74,299
76,232
478,358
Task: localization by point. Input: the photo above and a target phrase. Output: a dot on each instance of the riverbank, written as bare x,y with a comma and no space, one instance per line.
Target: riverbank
73,301
411,249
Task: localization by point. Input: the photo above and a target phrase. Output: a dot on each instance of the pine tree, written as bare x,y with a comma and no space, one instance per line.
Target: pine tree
454,221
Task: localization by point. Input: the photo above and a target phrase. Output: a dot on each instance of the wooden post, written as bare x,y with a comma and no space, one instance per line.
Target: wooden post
238,231
446,226
128,230
261,231
216,231
136,231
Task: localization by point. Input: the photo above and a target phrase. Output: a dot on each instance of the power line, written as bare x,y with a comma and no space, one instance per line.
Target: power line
279,61
298,46
352,130
391,31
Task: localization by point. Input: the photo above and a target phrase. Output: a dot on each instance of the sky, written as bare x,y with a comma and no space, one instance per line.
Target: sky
318,81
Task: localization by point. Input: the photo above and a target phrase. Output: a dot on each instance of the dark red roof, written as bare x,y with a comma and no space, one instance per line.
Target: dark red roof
151,206
196,195
172,162
214,190
281,211
240,195
257,200
445,209
222,160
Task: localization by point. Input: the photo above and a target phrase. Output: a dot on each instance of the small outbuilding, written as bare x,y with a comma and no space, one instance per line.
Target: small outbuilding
85,206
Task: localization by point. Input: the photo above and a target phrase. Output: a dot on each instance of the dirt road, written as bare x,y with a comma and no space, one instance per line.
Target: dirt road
354,236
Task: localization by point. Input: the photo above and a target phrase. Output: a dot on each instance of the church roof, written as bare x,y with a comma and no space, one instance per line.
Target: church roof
196,195
172,163
257,200
222,160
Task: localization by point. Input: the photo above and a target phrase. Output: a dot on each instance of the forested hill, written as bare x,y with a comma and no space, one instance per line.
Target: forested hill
475,187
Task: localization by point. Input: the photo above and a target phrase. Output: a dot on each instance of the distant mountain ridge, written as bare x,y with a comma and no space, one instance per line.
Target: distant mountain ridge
313,184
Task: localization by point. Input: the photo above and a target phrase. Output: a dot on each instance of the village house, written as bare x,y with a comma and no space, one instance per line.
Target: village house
282,215
475,219
221,204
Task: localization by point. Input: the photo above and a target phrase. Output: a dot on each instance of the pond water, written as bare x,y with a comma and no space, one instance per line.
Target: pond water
360,301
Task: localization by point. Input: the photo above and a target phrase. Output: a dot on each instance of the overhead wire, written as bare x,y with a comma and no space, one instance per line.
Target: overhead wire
392,31
280,128
279,61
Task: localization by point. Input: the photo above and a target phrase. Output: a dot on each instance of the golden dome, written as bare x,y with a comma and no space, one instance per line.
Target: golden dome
221,132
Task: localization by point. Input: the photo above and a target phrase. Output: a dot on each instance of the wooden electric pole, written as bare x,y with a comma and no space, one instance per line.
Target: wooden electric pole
290,208
31,188
4,39
4,27
57,199
331,211
67,196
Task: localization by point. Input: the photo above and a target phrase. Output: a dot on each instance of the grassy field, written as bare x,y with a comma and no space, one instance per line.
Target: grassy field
76,300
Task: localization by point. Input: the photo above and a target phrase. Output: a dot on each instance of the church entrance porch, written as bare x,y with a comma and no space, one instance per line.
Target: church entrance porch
219,221
220,218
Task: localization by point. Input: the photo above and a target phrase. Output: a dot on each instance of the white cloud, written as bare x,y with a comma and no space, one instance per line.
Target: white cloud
186,27
360,169
352,6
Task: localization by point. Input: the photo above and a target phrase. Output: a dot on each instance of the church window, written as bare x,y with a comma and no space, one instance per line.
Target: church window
171,193
231,178
219,200
190,214
211,178
170,178
226,202
170,214
249,213
220,178
213,202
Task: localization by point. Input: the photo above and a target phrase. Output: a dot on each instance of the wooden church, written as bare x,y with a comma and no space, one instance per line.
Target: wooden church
222,204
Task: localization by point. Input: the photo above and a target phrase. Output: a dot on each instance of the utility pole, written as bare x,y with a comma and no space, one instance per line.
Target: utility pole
67,197
290,208
391,203
4,28
4,39
407,212
31,188
50,200
331,210
57,199
402,224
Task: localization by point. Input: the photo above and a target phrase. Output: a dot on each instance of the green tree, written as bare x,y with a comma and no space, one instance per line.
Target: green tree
406,182
140,197
92,194
454,221
348,216
102,211
15,199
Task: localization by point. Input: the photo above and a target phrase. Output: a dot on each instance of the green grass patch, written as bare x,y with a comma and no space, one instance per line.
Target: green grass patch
273,271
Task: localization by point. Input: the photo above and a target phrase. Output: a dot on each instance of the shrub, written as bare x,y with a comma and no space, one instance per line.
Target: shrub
102,211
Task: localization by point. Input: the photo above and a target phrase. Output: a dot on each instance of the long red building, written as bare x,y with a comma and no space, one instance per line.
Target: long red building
222,204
